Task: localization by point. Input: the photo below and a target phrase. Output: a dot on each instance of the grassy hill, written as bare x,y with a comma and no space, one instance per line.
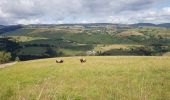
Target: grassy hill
100,78
78,39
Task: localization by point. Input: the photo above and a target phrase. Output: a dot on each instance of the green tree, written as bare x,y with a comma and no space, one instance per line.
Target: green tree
143,50
5,57
51,52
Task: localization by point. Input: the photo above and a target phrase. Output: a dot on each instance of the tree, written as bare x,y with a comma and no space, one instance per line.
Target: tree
9,45
5,57
143,50
52,52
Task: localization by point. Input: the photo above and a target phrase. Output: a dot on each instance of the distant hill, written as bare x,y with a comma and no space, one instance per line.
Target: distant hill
1,26
143,24
49,40
167,25
4,29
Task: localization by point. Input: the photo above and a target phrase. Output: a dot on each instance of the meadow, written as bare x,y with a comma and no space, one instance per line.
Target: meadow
100,78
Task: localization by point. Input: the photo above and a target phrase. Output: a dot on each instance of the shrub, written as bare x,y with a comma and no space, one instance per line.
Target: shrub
17,59
5,57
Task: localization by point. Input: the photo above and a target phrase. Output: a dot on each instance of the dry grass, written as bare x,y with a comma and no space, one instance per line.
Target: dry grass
101,78
113,46
166,54
26,38
129,33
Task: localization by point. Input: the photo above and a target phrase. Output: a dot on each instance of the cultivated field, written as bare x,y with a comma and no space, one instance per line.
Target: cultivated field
100,78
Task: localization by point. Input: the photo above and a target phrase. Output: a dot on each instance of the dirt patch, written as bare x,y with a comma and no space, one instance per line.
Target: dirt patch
6,65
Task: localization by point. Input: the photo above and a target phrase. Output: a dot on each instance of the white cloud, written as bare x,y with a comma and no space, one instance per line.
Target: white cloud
166,11
29,21
77,11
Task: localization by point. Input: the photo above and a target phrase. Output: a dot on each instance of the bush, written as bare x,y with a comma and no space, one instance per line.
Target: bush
5,57
153,50
17,59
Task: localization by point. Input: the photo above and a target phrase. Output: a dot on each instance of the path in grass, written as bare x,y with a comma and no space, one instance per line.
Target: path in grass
6,65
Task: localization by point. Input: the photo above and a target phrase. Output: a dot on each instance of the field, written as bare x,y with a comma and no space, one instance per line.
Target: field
39,41
100,78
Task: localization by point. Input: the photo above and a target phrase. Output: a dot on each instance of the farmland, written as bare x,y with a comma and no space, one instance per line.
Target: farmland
35,41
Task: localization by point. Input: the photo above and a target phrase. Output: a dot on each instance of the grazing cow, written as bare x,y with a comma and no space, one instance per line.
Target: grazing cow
59,61
82,60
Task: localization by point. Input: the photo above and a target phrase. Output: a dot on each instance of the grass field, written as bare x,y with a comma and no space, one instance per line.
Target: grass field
100,78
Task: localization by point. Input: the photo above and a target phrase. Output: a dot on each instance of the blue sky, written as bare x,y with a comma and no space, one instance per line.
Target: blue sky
84,11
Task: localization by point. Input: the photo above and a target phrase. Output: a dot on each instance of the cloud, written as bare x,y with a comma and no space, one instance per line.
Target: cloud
81,11
30,21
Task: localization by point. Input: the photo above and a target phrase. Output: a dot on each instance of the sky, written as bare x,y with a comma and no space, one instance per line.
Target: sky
84,11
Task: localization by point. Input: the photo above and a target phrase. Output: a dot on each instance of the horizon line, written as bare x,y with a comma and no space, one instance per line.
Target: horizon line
82,23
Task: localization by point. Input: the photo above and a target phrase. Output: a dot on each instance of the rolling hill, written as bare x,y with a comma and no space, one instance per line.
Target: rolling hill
78,39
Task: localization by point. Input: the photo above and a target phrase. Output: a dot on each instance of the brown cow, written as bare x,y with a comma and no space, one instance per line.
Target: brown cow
59,61
82,60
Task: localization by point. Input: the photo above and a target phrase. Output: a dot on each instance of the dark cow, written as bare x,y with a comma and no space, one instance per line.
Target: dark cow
59,61
82,60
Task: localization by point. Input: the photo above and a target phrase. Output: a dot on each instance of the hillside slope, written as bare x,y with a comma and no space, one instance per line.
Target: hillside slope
44,41
119,78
